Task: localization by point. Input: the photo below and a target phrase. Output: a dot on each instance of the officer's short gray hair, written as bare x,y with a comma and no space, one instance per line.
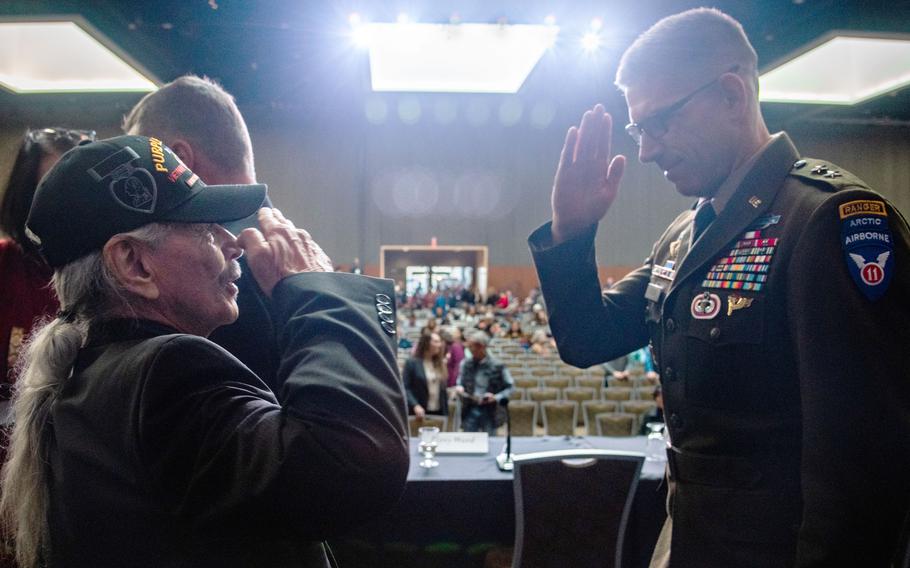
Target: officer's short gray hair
690,46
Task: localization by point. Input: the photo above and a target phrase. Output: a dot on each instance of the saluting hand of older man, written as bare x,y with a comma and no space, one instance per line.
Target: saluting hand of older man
280,249
588,176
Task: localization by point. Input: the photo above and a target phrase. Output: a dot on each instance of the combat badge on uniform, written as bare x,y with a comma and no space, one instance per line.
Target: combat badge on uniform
705,306
868,245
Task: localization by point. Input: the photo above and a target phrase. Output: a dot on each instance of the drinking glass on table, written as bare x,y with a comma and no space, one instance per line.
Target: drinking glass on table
429,436
657,443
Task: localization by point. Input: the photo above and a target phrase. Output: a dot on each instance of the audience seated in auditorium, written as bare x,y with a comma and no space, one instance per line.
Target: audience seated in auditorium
514,331
542,344
442,316
538,319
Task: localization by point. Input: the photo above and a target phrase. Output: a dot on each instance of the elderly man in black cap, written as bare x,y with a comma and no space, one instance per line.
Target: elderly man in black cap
140,443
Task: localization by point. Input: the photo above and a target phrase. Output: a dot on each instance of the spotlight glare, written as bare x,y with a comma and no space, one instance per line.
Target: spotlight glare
354,19
403,18
467,58
550,20
361,36
596,24
590,41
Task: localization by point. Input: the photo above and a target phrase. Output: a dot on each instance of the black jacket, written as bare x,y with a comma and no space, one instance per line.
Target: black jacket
167,451
776,401
415,386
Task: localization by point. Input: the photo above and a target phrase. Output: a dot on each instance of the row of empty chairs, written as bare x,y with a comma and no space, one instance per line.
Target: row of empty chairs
566,417
560,418
582,388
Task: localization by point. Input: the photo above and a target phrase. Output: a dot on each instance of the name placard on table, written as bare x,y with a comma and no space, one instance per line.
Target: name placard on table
463,443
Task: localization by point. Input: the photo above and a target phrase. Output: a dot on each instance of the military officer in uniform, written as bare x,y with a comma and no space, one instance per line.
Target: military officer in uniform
776,308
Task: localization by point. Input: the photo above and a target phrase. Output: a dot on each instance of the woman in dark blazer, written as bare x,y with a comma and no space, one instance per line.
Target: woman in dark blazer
425,377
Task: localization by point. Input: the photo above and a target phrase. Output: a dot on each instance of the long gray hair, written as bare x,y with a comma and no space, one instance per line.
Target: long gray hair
87,291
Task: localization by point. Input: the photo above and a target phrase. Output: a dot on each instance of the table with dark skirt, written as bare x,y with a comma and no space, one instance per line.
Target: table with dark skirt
454,514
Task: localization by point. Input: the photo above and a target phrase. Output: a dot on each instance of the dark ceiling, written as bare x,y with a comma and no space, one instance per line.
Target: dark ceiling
280,57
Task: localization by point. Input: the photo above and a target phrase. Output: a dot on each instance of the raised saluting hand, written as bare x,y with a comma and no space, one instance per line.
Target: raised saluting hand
588,176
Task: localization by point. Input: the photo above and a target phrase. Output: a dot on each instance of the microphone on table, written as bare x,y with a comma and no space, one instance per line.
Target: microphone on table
504,459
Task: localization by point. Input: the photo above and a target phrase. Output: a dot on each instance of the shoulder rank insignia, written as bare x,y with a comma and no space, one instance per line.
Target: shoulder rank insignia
867,244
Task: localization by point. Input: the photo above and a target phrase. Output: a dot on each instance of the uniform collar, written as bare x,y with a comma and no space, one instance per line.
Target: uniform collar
728,188
752,197
125,329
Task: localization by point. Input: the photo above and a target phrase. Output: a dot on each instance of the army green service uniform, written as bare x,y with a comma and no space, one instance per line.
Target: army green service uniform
783,342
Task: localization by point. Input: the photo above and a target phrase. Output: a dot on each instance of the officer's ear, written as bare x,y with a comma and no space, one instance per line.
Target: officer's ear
129,260
736,95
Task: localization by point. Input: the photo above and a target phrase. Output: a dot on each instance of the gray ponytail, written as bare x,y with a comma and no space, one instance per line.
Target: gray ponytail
87,292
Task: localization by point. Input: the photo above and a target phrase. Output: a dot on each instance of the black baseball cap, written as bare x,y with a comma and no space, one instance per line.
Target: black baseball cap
112,186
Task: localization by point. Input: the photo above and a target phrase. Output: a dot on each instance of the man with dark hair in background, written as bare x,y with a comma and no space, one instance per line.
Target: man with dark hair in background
776,309
201,123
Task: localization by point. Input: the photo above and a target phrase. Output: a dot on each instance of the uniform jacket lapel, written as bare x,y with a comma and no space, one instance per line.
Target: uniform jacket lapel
751,200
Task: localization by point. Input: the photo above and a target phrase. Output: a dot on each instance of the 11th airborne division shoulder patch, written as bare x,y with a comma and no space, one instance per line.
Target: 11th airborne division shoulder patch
868,246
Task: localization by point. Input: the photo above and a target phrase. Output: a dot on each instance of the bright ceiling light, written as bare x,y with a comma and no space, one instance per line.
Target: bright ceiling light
596,24
550,20
354,19
65,56
840,69
403,18
590,41
360,34
463,58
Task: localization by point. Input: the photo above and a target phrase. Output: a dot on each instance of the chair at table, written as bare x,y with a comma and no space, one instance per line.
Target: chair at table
572,506
414,424
615,424
591,408
523,415
559,417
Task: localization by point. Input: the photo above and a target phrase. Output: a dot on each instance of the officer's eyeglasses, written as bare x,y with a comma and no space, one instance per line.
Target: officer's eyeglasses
656,124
